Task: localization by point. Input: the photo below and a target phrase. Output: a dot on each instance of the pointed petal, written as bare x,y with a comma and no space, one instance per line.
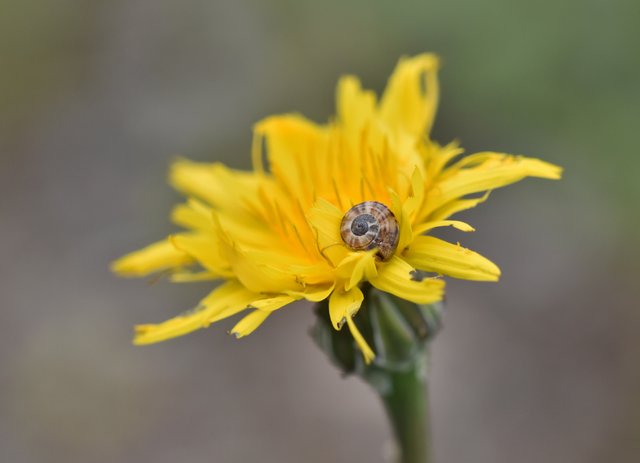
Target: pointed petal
269,304
260,276
261,272
414,202
404,223
205,248
453,207
486,172
399,278
291,141
193,214
158,256
411,97
458,225
357,267
367,352
344,304
435,255
436,157
325,219
354,105
249,323
193,277
226,300
313,293
212,182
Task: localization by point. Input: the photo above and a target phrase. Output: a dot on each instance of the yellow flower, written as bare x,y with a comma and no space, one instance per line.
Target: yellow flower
273,236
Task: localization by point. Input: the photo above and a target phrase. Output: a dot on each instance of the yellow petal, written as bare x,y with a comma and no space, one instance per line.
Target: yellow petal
269,304
313,293
264,307
404,223
205,248
357,267
344,304
489,171
414,202
212,182
411,97
245,230
367,352
193,277
436,157
153,258
224,301
453,207
435,255
291,141
354,105
193,214
399,278
266,304
325,219
458,225
249,323
316,274
261,272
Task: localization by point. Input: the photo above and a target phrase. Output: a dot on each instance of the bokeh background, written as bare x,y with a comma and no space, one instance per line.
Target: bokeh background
97,98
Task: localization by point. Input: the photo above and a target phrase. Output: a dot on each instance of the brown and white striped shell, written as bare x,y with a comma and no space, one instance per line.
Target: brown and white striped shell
370,225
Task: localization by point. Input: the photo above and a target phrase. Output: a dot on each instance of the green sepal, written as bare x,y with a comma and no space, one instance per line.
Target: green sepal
397,330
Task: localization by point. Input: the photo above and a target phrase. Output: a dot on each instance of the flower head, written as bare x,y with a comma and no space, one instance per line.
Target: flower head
294,228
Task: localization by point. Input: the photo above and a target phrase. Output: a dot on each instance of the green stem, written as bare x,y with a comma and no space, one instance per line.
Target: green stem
399,332
407,407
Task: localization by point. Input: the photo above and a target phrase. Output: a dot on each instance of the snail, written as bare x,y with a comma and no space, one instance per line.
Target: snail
370,225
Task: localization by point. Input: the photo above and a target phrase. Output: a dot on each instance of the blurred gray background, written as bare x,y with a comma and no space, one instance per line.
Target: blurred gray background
96,99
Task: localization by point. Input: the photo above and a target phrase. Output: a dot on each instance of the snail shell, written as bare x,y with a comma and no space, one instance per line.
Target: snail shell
370,225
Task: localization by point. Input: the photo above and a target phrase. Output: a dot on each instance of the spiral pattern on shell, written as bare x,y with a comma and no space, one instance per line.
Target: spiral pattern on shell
370,225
